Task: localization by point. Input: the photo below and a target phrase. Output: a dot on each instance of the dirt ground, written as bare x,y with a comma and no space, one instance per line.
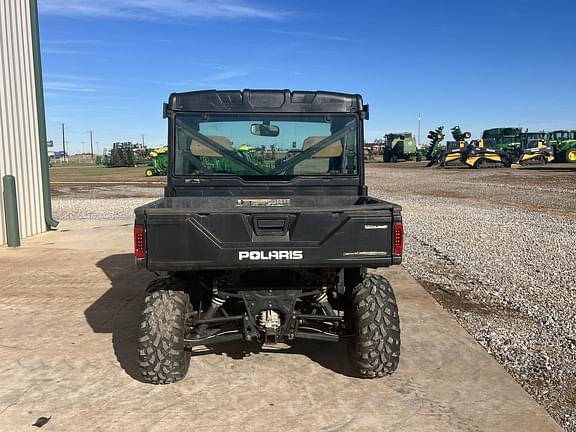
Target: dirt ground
74,173
96,181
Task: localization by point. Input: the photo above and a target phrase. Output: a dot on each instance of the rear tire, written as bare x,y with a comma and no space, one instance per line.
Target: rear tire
376,347
163,358
387,155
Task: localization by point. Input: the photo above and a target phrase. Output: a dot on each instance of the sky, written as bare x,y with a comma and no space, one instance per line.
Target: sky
109,65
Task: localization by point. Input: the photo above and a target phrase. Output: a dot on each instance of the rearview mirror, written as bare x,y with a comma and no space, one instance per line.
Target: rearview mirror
265,130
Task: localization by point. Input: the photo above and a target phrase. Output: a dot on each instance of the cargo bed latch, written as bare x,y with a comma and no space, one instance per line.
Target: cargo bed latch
276,225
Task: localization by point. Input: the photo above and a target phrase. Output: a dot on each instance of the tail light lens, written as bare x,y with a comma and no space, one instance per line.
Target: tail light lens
398,238
139,251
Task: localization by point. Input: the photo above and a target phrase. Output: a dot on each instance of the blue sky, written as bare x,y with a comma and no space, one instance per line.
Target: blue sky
109,64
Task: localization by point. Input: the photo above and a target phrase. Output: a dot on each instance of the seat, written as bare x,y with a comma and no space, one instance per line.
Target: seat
332,150
319,162
198,148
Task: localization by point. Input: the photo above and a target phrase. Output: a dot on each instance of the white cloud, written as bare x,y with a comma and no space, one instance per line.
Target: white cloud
66,83
62,86
313,35
70,77
155,9
224,76
216,78
61,42
61,51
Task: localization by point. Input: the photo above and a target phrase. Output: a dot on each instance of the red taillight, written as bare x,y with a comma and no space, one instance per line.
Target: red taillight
398,238
139,251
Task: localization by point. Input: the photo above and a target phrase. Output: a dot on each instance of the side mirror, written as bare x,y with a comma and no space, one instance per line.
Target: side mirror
265,130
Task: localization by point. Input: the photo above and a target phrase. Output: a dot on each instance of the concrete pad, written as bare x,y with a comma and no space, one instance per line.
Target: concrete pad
69,309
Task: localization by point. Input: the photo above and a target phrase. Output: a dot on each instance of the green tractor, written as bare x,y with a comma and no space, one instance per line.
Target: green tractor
400,146
159,162
159,158
219,164
564,144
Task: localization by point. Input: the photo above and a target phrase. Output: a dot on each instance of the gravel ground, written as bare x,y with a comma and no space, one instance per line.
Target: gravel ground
495,247
102,202
500,257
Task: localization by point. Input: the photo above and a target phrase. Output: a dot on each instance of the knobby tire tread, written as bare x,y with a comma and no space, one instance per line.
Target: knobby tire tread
376,348
162,356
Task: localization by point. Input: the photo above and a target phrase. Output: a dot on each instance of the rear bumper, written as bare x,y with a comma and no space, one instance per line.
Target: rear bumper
234,264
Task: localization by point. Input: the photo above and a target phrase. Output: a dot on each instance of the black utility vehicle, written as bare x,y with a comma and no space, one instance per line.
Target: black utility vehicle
266,232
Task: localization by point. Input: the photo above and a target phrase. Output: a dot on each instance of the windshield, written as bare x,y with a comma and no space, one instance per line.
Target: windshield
501,136
500,132
264,145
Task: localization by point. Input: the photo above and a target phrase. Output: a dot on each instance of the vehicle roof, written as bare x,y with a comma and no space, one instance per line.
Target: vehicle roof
502,128
400,134
266,101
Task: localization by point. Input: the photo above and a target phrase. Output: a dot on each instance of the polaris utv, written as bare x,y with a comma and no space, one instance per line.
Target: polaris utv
266,232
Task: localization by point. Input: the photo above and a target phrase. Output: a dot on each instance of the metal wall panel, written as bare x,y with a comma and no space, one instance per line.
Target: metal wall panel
19,135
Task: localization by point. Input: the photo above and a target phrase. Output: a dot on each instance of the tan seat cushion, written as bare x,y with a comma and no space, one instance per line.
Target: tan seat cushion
332,150
199,149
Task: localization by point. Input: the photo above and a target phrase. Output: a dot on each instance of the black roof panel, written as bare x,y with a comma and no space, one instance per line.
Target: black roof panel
265,101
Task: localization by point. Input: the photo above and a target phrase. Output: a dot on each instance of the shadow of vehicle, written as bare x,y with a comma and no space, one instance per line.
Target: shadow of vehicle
329,355
118,312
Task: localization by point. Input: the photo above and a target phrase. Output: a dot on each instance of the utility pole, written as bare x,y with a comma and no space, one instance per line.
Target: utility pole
91,146
418,129
63,142
142,140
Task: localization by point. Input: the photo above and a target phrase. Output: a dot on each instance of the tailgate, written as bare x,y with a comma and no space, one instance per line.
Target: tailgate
181,239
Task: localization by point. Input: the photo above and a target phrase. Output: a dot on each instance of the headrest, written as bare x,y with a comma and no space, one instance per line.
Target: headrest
332,150
199,149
